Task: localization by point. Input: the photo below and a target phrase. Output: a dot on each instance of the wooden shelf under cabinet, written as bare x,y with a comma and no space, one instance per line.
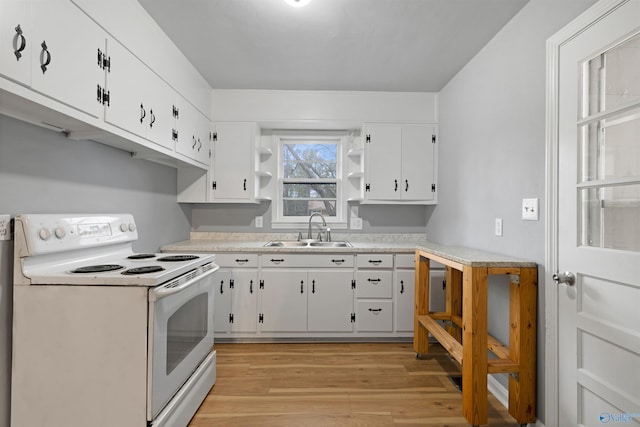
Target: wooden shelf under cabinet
465,335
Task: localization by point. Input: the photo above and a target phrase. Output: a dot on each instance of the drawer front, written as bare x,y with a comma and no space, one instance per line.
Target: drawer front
374,284
375,261
237,260
309,261
374,316
405,261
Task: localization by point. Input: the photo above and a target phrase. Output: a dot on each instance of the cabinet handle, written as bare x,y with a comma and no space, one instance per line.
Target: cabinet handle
375,261
251,286
375,311
199,145
302,286
222,287
396,185
402,286
153,118
242,261
44,63
313,286
17,50
374,281
406,185
99,94
337,261
100,58
244,185
143,112
193,137
277,261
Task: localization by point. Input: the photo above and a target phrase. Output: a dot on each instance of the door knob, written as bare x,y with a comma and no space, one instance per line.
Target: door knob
567,277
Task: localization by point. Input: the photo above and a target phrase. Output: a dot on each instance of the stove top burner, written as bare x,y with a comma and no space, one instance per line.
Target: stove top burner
141,256
143,270
97,268
174,258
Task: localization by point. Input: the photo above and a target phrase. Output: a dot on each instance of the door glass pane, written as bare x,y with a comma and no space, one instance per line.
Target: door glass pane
185,329
613,78
611,147
610,217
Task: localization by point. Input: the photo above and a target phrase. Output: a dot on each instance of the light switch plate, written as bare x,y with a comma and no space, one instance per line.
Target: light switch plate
259,222
530,208
5,227
498,227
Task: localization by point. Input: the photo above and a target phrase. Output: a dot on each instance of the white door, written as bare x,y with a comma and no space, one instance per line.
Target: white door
233,161
383,158
330,301
16,37
598,314
417,162
244,300
284,300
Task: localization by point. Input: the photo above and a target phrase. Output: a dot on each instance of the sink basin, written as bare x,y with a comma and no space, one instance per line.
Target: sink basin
307,244
339,244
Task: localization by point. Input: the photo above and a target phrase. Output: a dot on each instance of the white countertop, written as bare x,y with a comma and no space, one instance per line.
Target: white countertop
377,243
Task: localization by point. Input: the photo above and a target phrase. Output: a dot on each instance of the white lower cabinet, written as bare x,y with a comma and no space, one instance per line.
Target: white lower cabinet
236,298
374,316
303,300
374,293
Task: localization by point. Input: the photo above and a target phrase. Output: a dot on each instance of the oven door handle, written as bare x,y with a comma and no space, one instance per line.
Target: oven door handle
167,290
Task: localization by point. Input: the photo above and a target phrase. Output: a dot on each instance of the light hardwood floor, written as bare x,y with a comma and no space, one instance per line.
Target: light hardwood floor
350,384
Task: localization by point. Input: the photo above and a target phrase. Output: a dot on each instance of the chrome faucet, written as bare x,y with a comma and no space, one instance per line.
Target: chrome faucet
324,223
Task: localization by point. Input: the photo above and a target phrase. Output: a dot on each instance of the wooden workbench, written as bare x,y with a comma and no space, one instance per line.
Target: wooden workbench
464,334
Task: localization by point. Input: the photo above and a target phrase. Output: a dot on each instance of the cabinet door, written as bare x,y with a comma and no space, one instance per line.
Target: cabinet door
284,301
330,301
417,162
222,301
193,129
159,98
64,55
405,286
244,300
383,162
16,39
233,162
125,83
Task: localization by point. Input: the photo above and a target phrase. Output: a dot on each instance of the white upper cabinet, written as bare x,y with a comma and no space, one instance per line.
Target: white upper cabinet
16,38
192,132
400,163
233,163
67,51
139,101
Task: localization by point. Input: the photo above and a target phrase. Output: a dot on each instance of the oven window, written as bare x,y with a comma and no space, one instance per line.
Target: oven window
185,329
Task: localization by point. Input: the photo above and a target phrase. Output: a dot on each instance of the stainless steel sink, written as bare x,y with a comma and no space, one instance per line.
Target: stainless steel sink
307,244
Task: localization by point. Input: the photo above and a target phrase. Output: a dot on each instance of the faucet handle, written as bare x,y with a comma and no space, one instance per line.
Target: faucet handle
299,236
328,230
320,236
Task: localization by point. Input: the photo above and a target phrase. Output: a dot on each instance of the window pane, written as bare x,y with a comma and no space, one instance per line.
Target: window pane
612,147
611,217
309,160
306,207
309,191
614,78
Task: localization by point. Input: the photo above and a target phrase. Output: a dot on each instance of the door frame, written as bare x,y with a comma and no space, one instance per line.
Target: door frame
554,44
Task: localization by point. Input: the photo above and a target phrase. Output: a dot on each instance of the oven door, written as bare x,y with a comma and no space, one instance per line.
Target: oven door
180,334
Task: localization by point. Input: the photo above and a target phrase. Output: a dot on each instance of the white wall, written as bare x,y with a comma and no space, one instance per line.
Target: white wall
41,171
492,151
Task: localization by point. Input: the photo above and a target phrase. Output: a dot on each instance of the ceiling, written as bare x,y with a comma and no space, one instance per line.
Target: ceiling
359,45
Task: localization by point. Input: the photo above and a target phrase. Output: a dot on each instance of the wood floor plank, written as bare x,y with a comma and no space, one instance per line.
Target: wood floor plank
336,384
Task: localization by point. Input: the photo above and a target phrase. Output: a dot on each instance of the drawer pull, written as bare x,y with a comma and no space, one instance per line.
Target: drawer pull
313,286
402,286
302,286
251,286
242,261
277,260
374,281
375,261
337,261
375,311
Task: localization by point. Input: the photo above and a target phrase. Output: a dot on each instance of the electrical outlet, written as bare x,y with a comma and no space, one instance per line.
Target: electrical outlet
5,227
498,227
259,222
530,210
356,223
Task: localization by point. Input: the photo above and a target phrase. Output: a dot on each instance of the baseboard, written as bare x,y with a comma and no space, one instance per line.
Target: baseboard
502,394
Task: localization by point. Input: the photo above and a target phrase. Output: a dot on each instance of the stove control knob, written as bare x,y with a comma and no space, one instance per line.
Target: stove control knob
123,227
44,234
132,227
60,233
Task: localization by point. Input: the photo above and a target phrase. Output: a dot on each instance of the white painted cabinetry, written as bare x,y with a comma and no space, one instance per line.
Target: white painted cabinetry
330,301
374,293
191,132
233,166
236,299
400,163
16,39
284,300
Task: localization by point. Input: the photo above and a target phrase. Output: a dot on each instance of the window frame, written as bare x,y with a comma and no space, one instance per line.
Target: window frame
279,220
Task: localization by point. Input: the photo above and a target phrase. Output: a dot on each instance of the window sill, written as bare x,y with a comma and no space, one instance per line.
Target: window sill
279,225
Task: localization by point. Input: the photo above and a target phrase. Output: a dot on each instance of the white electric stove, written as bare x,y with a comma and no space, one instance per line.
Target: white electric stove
105,336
